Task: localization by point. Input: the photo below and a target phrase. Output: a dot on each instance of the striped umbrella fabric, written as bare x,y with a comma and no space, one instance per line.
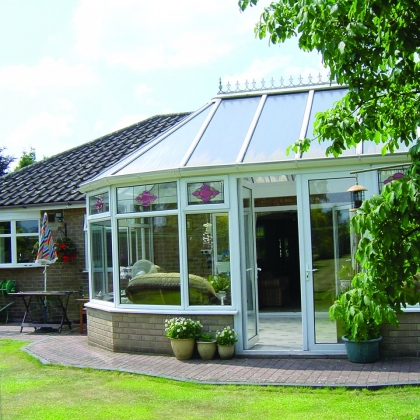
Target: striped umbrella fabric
46,252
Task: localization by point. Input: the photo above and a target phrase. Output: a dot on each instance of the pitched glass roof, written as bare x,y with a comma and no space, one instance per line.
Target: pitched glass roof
235,129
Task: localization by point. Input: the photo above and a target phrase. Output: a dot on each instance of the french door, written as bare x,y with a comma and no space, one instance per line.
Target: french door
326,249
248,267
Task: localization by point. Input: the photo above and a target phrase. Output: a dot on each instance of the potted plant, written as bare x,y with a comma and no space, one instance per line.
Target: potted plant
362,309
183,332
226,340
206,346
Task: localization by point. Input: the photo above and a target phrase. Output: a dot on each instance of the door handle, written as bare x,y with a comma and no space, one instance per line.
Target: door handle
310,270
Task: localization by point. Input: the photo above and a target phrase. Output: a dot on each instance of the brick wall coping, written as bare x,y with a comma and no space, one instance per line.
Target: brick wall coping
113,309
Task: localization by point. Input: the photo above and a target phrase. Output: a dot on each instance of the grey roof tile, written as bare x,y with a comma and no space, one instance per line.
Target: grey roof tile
56,179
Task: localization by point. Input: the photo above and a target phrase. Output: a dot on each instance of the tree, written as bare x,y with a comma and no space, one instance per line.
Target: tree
26,159
371,46
5,161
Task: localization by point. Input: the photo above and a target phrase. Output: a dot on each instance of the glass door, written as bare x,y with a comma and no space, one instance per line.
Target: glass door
249,269
327,254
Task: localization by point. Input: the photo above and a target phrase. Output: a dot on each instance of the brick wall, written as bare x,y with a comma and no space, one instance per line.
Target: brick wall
144,333
402,341
60,275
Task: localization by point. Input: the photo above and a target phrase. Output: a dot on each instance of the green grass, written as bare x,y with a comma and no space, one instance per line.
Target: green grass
30,390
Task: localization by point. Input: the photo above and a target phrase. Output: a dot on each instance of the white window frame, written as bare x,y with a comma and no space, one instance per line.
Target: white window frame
13,219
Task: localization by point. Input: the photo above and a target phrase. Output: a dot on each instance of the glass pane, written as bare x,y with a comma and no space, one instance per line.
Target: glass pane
323,100
27,226
5,250
26,248
370,148
151,197
278,127
101,257
5,228
331,249
248,238
164,155
206,192
388,175
208,259
99,203
149,260
223,138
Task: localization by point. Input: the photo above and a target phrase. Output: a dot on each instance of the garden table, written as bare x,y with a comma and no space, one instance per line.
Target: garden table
30,298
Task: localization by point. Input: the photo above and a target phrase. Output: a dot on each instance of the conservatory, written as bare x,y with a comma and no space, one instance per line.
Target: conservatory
214,221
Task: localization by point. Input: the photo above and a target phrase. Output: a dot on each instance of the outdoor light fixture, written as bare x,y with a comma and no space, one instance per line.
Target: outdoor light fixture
357,193
59,216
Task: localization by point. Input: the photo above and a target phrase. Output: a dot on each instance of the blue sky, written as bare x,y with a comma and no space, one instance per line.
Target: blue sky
72,71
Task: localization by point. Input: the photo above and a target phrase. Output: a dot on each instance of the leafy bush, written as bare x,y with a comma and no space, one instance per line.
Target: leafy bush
363,308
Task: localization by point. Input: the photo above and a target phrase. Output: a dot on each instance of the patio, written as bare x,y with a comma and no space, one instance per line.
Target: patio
71,349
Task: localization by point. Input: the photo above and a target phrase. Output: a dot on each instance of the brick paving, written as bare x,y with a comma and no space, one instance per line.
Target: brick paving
71,349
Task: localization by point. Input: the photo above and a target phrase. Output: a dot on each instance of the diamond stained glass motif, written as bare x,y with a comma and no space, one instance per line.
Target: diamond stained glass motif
146,198
206,193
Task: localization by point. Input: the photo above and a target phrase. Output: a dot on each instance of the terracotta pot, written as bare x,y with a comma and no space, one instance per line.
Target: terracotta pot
206,349
226,352
183,348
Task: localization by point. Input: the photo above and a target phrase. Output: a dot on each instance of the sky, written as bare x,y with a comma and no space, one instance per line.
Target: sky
72,71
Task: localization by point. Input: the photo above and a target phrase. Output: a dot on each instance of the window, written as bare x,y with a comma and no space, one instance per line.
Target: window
208,259
101,253
206,192
151,197
148,254
99,203
18,240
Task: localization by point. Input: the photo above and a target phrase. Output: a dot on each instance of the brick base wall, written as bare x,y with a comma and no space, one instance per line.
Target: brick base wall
402,341
140,333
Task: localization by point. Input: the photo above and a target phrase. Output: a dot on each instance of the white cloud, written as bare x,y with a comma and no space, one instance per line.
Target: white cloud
126,121
142,91
98,125
47,133
48,72
144,35
66,104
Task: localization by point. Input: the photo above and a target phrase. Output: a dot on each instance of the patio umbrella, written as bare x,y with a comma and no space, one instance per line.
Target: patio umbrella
46,252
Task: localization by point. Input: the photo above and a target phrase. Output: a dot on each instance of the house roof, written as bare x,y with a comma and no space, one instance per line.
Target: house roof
55,180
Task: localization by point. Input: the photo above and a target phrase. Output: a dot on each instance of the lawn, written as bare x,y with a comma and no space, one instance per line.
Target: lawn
30,390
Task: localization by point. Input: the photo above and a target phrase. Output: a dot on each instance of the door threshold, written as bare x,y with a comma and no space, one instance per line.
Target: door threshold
291,354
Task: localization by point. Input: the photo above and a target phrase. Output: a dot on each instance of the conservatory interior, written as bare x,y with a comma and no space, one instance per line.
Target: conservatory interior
213,220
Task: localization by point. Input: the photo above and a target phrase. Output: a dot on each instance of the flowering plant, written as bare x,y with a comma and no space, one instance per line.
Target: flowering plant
66,249
182,328
226,337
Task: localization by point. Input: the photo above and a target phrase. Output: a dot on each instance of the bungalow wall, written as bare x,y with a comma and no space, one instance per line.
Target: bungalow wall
60,275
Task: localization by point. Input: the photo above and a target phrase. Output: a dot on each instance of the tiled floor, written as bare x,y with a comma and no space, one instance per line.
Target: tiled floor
283,331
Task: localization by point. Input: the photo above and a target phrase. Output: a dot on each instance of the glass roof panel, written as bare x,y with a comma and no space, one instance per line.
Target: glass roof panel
323,100
278,127
371,148
170,151
223,138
